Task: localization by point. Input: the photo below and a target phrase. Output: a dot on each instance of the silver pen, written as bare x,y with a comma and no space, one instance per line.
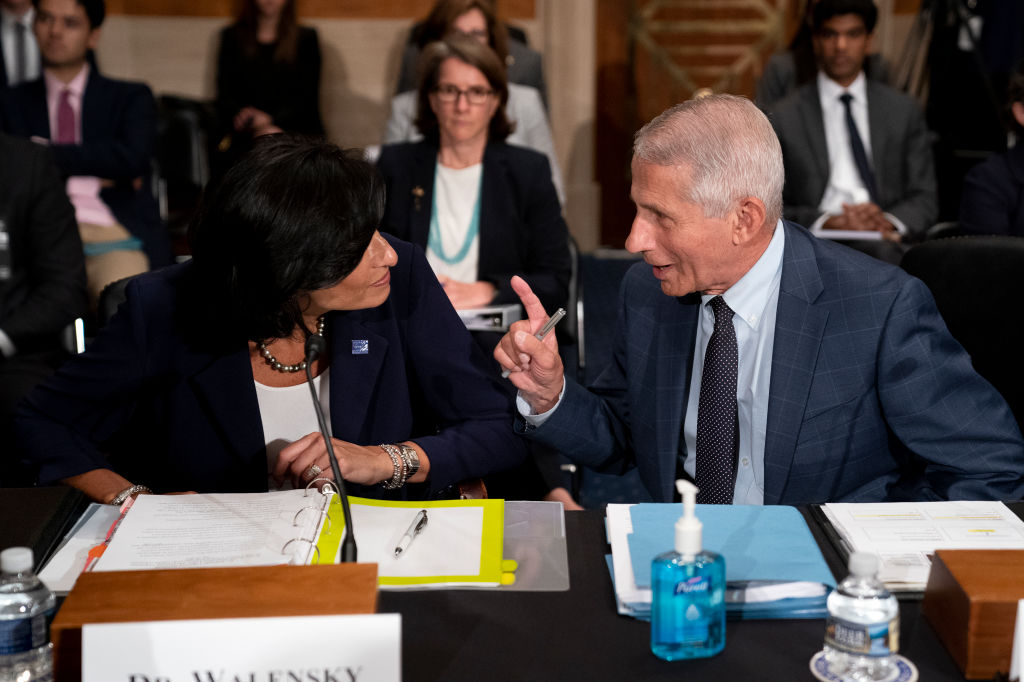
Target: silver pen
419,522
542,333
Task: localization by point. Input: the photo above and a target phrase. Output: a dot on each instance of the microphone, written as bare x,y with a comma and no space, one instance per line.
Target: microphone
315,346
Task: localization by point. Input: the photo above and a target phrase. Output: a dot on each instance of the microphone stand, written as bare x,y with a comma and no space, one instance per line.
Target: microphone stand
315,345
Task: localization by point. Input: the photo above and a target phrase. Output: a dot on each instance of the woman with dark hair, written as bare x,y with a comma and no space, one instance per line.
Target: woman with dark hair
268,74
483,210
993,196
197,381
476,19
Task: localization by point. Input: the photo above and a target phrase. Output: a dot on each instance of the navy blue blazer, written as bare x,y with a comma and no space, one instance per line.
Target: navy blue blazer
521,227
175,417
993,198
119,136
870,397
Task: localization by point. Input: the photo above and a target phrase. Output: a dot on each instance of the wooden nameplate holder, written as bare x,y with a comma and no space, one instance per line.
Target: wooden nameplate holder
971,601
199,593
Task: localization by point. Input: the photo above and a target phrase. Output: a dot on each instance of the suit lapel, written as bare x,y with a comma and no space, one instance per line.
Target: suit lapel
877,130
232,411
814,126
799,327
38,117
354,373
672,369
424,163
493,209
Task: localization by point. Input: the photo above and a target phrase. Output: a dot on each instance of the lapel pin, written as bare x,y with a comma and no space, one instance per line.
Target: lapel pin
360,347
417,193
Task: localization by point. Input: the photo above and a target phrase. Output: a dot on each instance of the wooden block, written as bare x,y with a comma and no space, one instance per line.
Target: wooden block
200,593
971,601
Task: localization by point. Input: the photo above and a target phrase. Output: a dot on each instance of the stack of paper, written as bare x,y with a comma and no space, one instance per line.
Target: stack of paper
773,566
905,534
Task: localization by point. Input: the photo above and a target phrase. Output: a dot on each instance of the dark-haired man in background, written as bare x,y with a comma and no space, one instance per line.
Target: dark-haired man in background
857,152
103,136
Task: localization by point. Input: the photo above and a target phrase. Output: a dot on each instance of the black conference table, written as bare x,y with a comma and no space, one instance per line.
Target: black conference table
570,635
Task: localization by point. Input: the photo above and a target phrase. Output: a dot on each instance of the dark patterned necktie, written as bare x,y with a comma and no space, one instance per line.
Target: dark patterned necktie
860,156
717,419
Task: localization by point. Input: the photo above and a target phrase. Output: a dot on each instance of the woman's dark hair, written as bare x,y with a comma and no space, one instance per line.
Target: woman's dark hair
295,214
287,31
469,51
439,24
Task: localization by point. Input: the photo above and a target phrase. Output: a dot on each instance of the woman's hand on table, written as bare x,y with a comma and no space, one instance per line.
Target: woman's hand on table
362,464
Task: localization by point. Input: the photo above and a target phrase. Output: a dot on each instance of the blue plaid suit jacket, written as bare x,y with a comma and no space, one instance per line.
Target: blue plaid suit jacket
871,399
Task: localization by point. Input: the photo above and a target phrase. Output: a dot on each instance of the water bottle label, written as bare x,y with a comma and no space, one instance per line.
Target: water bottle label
24,634
876,639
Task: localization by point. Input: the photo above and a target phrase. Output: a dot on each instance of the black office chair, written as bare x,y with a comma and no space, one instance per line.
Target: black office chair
182,162
112,296
600,274
972,280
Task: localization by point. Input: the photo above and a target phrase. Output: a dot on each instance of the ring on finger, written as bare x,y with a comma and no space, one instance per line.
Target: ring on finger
312,472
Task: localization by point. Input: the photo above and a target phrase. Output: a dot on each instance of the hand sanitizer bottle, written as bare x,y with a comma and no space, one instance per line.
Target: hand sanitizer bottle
688,585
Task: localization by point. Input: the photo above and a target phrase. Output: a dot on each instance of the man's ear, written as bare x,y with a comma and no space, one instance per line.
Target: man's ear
748,219
94,38
1018,112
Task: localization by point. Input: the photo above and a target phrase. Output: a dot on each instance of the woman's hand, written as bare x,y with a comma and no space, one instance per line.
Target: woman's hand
363,464
467,294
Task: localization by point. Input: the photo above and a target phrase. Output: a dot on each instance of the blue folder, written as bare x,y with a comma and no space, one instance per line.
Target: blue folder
759,543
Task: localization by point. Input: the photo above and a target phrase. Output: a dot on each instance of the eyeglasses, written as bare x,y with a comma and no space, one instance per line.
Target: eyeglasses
475,95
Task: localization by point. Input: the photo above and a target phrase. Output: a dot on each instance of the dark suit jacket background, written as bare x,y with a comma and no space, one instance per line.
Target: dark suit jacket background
993,198
119,127
871,398
522,231
175,416
46,290
901,155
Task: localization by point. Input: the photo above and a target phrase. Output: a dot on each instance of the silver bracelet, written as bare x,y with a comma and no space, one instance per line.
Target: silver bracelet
397,479
411,460
128,492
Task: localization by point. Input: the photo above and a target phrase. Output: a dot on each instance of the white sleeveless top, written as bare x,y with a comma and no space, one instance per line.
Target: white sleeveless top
287,415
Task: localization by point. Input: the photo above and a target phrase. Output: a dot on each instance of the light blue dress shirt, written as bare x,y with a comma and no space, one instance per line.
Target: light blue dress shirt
755,300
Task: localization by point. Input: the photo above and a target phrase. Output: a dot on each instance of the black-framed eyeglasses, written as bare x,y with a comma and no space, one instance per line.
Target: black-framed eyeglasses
475,95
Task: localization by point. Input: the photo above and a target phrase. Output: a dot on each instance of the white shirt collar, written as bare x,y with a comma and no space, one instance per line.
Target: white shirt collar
830,90
25,19
750,295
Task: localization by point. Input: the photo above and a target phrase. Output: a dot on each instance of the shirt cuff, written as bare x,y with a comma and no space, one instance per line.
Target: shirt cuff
7,347
535,420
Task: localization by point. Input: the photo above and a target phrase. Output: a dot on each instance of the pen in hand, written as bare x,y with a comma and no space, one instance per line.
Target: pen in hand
542,333
419,522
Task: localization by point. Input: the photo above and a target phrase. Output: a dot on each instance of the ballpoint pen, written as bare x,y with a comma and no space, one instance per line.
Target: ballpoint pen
542,333
419,522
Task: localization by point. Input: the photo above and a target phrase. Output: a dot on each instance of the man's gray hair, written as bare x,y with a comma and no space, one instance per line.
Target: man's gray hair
728,145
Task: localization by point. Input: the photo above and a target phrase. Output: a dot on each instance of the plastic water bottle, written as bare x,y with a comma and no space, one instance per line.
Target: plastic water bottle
862,635
26,609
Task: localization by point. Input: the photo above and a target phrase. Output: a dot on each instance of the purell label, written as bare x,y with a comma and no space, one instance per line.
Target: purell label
697,583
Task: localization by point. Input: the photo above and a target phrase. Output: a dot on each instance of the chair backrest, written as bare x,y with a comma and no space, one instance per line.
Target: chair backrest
600,274
973,279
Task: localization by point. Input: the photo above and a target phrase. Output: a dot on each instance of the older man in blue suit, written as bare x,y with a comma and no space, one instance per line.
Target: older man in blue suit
768,365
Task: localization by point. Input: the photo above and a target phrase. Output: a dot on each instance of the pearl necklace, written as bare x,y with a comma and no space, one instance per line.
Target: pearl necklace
279,366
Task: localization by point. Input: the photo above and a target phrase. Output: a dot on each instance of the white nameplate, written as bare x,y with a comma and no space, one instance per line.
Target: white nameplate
362,648
1017,657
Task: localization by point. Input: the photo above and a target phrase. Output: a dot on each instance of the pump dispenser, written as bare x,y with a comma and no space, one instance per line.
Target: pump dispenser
688,591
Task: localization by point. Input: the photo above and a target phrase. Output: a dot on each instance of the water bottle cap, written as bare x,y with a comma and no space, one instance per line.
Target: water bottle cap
863,563
16,560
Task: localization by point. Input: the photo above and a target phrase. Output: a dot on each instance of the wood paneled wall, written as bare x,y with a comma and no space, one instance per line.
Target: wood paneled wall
312,9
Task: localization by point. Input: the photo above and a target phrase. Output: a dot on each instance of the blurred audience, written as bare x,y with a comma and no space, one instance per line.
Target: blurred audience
483,210
857,152
103,136
797,66
42,280
19,54
476,18
268,76
993,196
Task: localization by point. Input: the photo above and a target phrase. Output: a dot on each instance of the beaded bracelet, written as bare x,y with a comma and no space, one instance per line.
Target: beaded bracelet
398,479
